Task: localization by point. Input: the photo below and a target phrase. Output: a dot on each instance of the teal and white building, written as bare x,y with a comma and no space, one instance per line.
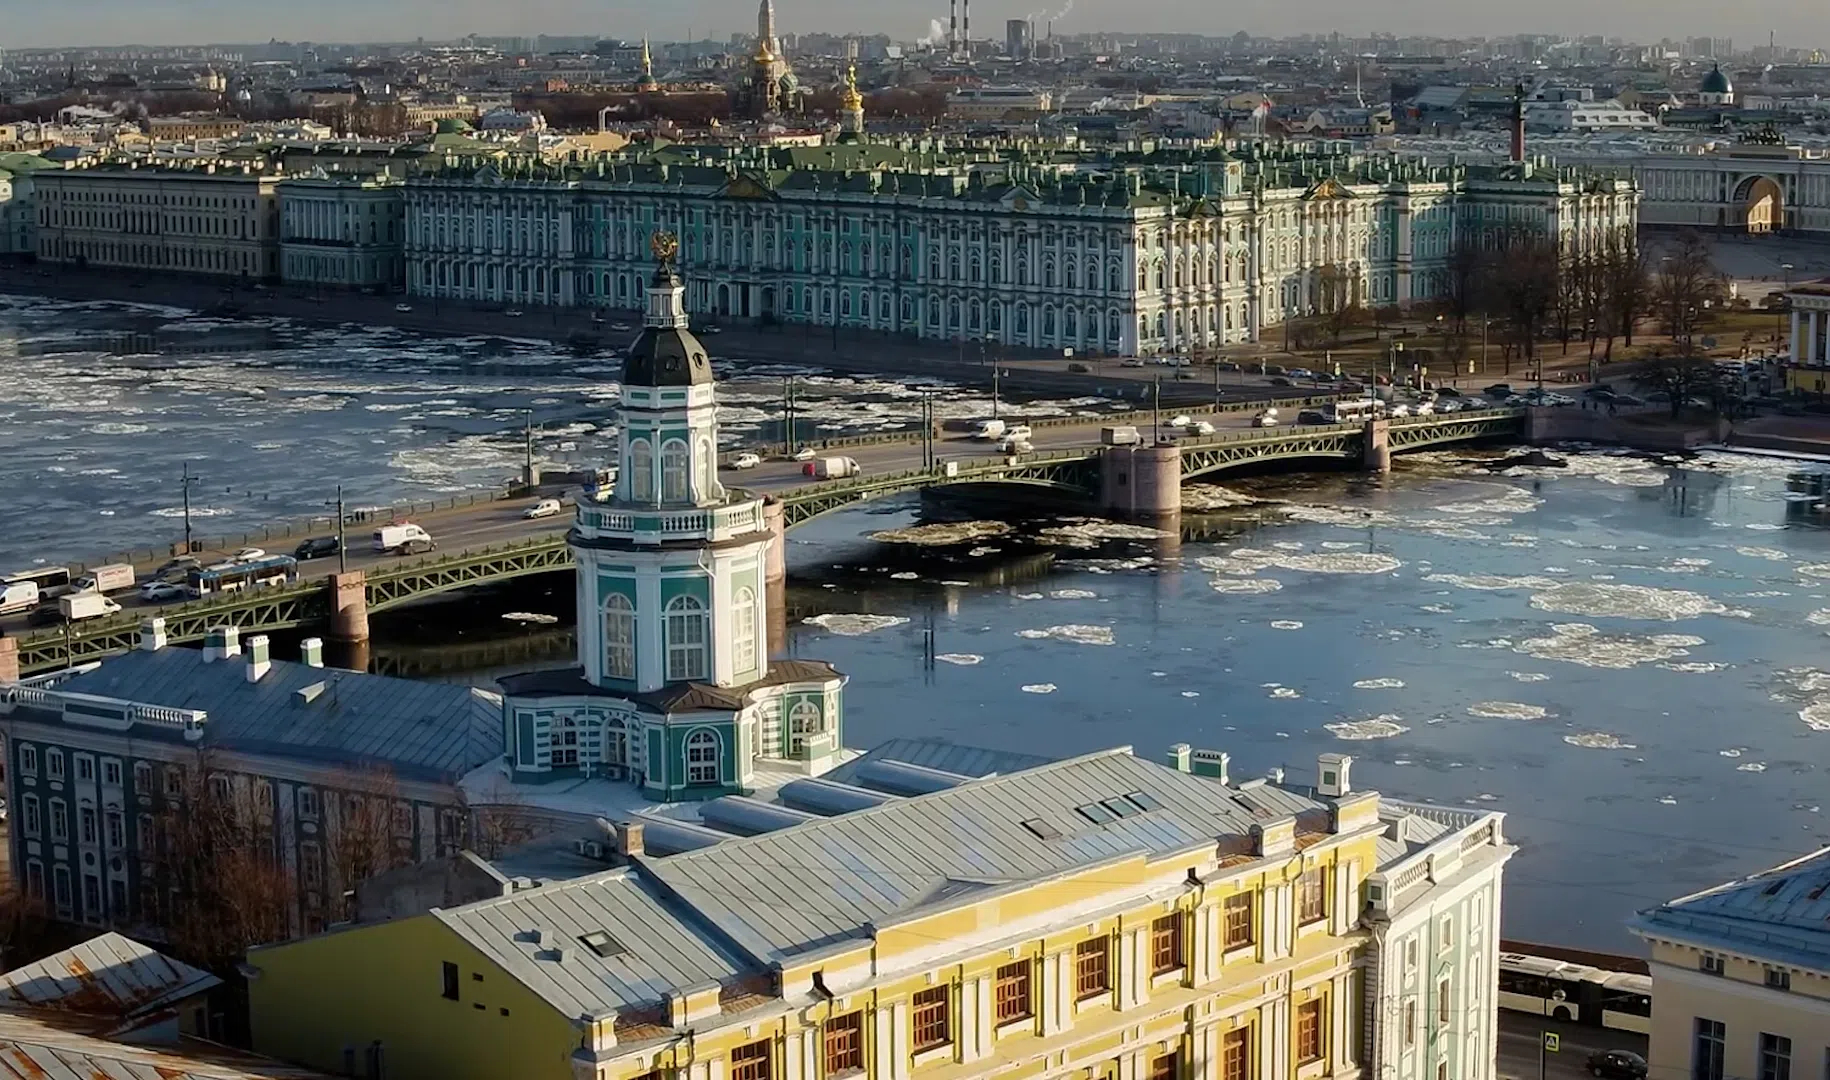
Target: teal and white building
674,688
1042,247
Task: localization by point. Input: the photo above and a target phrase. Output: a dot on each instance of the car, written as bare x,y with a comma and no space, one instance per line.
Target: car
416,546
545,508
1447,391
806,453
1279,380
1617,1065
1131,361
1398,409
157,592
248,554
317,547
1181,420
1201,427
1499,390
1300,373
712,330
746,461
1424,408
1312,416
1268,418
403,308
179,566
1186,375
513,313
619,326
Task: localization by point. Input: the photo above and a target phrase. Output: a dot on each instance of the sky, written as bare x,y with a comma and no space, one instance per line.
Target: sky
30,23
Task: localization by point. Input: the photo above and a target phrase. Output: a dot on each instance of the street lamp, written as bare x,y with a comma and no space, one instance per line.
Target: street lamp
1779,310
342,548
184,483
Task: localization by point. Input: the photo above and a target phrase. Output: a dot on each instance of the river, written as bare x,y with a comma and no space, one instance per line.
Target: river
1627,656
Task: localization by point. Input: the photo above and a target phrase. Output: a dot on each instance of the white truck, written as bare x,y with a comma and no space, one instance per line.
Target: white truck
831,468
17,596
402,539
1122,435
989,430
85,605
112,578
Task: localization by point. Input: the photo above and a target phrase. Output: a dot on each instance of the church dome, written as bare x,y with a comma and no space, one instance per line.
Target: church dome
1715,82
666,353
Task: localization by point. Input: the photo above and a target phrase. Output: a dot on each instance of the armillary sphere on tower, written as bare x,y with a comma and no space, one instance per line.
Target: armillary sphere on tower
664,245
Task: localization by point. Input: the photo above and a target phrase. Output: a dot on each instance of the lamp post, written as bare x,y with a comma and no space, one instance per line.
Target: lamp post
185,481
1780,311
342,548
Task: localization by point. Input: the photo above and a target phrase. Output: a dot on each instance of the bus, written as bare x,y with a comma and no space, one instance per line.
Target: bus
1541,986
52,581
235,576
1353,410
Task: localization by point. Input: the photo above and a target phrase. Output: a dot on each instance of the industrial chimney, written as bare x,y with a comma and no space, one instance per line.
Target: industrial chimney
1518,123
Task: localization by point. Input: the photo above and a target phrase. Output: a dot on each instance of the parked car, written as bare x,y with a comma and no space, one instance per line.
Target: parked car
248,554
403,308
746,461
545,508
1617,1065
317,547
158,592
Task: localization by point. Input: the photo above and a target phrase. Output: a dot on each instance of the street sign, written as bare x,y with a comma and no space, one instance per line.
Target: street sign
1551,1041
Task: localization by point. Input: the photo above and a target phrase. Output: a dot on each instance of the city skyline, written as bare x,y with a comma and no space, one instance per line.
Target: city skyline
103,23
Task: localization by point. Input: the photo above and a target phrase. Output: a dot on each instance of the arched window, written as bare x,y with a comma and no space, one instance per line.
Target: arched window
997,270
995,320
1160,275
619,637
702,758
641,471
1092,274
953,267
953,314
1114,329
705,466
615,754
1048,323
743,631
1070,326
674,471
685,639
804,719
1048,273
1022,319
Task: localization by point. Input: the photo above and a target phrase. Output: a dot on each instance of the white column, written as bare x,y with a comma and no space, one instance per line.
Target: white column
1813,351
1797,352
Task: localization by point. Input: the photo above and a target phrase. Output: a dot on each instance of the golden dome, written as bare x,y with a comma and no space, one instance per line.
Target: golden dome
852,101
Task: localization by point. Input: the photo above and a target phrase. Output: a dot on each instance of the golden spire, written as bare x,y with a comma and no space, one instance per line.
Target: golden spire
852,101
647,60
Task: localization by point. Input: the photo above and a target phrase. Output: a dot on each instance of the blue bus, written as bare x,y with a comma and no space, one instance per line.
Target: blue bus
235,576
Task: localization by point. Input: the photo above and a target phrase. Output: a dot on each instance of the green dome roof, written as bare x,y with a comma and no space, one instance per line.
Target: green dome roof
1715,82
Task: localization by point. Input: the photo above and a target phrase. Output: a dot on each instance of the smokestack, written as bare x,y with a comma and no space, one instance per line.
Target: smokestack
965,28
952,27
1518,123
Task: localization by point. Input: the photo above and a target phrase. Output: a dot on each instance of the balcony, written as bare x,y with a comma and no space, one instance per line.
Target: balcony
661,526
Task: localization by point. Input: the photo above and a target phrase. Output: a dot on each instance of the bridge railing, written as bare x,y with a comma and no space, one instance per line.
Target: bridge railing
132,617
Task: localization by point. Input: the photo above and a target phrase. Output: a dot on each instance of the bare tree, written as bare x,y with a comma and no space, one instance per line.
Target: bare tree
367,831
1687,286
497,826
1628,284
1524,282
1337,301
1686,376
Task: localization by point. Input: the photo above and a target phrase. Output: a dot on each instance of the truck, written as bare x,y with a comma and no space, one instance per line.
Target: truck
989,430
404,538
1122,435
112,578
831,468
85,605
17,596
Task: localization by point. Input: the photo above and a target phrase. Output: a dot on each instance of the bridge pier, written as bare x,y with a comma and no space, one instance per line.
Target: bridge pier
1376,452
1141,481
349,619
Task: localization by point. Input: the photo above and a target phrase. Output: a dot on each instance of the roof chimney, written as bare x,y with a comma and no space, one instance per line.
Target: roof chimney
221,643
630,843
311,652
152,634
1331,772
259,659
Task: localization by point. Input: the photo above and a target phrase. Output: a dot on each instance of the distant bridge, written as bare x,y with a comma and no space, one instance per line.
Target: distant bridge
1078,470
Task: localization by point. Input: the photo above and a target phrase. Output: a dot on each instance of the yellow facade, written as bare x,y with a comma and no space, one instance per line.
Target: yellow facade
1122,970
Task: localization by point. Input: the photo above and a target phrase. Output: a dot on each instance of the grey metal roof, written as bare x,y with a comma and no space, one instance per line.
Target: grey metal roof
660,947
109,975
940,754
1781,915
35,1047
422,730
787,892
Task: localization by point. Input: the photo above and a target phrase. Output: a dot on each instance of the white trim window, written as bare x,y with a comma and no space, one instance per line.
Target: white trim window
702,765
804,718
619,637
686,646
676,472
743,631
641,471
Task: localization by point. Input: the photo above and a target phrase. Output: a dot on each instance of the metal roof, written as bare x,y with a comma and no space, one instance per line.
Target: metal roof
788,892
1780,915
109,975
34,1047
933,753
657,948
422,730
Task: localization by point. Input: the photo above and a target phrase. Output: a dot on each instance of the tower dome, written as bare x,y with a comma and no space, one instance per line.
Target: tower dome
666,353
1715,89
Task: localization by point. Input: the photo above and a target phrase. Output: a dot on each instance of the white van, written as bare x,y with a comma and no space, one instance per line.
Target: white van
16,596
407,539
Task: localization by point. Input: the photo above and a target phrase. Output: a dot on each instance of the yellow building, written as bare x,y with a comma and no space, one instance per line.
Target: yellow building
1741,976
1099,917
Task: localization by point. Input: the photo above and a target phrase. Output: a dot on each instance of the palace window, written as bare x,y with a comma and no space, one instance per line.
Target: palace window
845,1044
60,820
1166,1067
751,1061
743,630
641,471
565,741
619,637
702,765
1236,1054
1092,968
675,469
1309,1031
1166,944
1011,993
932,1025
1312,896
1238,914
804,719
685,623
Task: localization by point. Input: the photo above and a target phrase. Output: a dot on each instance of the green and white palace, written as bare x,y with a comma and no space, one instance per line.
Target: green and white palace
1045,246
674,689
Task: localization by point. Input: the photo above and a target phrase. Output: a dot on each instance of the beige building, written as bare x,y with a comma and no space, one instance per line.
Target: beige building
204,219
1741,977
192,126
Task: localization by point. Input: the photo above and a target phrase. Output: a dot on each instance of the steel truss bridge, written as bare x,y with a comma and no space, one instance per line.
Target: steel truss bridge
1075,471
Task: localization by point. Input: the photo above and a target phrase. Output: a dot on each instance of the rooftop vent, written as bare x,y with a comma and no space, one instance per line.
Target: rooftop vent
1042,830
309,694
601,943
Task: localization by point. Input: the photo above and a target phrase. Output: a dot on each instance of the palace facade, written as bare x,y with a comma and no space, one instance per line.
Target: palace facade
1050,248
